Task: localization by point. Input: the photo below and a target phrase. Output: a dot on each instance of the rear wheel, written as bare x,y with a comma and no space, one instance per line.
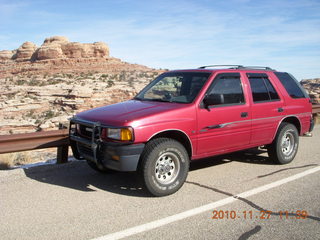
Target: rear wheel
164,166
285,146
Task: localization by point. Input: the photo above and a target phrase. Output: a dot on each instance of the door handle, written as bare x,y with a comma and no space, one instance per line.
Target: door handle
244,114
280,109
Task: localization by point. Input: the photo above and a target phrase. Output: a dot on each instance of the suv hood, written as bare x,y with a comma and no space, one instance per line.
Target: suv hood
122,113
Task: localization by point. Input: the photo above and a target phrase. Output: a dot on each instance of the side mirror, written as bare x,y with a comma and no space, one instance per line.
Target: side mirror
213,99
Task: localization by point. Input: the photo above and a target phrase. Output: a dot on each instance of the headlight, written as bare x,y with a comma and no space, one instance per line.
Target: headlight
122,134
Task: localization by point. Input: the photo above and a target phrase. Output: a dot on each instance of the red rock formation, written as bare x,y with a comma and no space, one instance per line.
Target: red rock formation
58,55
6,54
25,51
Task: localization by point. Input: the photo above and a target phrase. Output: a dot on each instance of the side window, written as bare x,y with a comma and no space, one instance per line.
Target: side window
291,85
227,88
262,89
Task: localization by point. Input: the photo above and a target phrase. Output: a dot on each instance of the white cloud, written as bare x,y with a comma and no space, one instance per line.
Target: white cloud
181,34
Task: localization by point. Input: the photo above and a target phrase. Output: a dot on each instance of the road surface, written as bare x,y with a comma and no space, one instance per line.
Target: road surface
238,196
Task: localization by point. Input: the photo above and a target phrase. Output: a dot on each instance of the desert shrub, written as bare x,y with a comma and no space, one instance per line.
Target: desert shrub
48,114
9,160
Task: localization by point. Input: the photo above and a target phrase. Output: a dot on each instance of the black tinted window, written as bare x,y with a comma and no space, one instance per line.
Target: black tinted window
291,85
272,92
227,88
262,89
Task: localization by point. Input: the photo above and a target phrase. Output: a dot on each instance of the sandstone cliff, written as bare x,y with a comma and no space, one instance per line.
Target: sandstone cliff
58,55
44,86
54,48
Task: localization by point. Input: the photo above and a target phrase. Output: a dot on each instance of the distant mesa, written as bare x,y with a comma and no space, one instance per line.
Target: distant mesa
56,47
57,55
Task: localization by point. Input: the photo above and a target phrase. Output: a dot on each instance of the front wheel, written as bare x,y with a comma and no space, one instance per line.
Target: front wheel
164,166
285,146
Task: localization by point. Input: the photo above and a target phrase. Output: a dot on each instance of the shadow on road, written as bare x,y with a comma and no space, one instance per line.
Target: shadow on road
250,156
79,176
262,210
249,234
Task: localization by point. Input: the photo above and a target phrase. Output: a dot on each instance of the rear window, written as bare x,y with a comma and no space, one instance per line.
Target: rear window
262,89
292,86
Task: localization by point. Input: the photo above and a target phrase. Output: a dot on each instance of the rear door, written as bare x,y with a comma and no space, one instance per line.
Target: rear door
226,125
267,108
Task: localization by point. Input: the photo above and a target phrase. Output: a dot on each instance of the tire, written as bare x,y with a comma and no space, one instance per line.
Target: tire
99,168
284,147
164,166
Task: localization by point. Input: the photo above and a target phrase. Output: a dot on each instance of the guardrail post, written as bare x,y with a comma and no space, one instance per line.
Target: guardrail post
62,151
62,154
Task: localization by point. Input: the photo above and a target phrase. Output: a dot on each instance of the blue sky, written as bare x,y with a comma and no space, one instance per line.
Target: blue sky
174,34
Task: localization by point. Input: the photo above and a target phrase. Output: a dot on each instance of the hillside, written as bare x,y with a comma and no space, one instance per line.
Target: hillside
44,86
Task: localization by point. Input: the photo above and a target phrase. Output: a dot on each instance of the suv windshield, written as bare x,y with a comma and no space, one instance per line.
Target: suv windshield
178,87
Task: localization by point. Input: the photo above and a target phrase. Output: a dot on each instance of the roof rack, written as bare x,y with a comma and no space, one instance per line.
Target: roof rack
257,67
227,66
237,67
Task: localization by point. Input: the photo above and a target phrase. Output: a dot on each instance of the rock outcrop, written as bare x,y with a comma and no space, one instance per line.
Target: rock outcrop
313,88
6,54
60,47
59,55
25,51
55,48
49,51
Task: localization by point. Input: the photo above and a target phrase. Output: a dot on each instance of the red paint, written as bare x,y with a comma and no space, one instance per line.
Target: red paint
149,118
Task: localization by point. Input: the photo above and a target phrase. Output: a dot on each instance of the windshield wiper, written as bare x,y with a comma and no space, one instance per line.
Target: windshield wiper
158,100
151,99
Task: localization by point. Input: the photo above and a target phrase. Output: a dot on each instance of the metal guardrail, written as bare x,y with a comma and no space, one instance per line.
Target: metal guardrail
56,138
37,140
315,108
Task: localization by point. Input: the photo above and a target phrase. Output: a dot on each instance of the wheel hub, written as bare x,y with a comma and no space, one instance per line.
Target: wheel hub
287,143
167,167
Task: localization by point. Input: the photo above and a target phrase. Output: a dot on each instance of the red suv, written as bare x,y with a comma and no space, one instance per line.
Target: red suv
185,115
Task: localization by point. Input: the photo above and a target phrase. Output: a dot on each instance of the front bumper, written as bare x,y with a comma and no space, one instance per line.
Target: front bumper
116,156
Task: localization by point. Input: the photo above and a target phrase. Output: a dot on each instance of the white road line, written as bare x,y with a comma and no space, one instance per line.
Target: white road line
161,222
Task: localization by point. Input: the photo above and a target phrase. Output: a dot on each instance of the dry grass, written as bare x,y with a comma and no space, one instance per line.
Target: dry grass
10,160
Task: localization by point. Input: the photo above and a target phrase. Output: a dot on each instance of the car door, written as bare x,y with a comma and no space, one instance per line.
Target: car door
267,108
226,124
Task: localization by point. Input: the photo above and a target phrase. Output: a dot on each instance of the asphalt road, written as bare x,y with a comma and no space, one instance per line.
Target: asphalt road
239,196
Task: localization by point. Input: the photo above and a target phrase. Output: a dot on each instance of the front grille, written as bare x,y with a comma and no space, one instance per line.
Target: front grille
83,149
86,131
